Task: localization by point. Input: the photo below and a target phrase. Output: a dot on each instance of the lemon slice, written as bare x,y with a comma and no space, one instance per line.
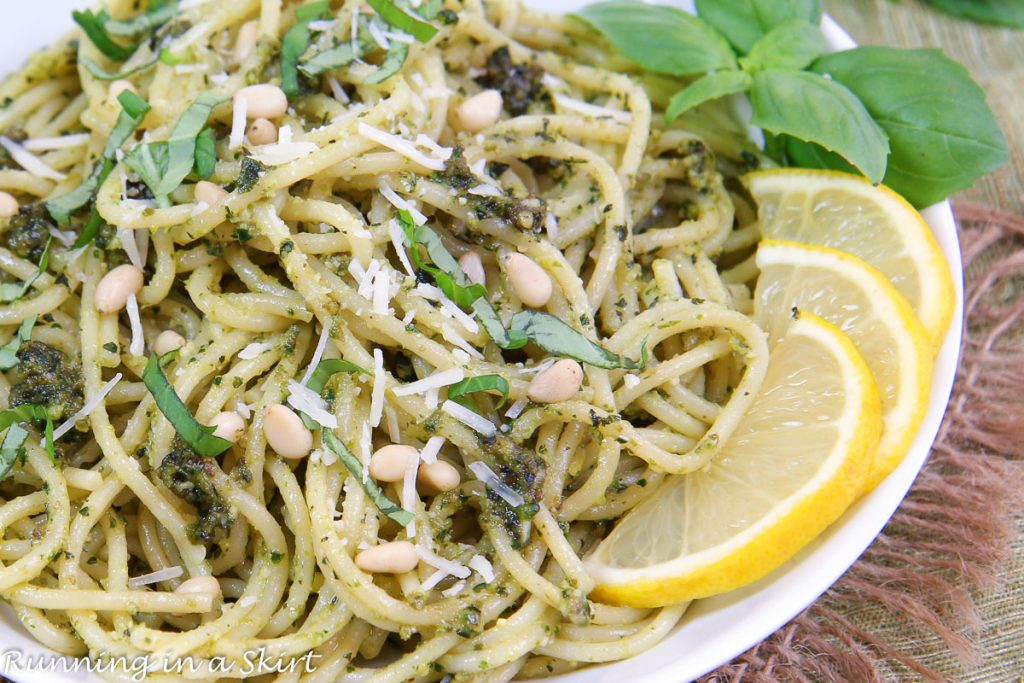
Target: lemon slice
859,300
848,213
796,461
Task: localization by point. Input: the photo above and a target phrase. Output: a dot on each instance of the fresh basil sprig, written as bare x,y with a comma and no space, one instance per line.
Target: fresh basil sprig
9,351
913,119
355,468
403,21
296,42
199,437
133,110
12,291
163,165
459,392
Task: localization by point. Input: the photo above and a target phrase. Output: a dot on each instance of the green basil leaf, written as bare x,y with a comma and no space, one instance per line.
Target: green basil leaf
9,449
174,58
705,89
12,291
296,42
9,351
660,38
472,385
394,15
133,110
48,439
558,338
942,132
94,26
1000,12
792,45
199,437
331,366
206,153
100,74
394,60
341,55
27,413
430,9
149,161
143,23
744,22
92,228
811,107
488,317
355,468
445,269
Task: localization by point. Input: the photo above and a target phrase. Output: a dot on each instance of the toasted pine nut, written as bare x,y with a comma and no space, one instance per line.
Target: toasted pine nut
200,585
117,87
245,41
531,283
229,425
438,476
114,288
397,557
262,132
285,432
560,382
168,341
8,205
262,101
479,111
208,193
473,267
390,462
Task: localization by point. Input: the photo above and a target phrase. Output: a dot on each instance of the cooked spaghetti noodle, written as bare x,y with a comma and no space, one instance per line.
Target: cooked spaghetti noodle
314,253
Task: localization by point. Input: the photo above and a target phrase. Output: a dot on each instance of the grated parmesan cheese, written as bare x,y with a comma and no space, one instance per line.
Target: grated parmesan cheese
551,224
130,246
516,409
278,153
630,380
238,113
394,432
254,349
467,417
30,162
337,91
482,566
485,190
399,203
587,109
59,142
379,384
428,453
309,402
400,145
489,478
457,588
318,353
138,343
89,406
434,381
434,579
155,577
455,569
398,240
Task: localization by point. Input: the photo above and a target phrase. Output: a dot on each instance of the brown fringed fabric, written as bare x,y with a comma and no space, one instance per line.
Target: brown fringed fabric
958,520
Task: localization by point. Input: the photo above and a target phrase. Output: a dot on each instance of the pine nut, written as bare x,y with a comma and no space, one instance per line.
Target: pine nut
479,111
113,290
229,425
208,193
439,476
8,205
390,462
560,382
168,341
117,87
200,585
262,101
531,284
245,41
397,557
285,432
262,132
473,267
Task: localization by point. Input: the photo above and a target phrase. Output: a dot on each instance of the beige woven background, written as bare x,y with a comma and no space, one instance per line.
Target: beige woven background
995,57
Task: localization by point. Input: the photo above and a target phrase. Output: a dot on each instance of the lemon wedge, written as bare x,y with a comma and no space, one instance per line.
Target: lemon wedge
797,460
859,300
848,213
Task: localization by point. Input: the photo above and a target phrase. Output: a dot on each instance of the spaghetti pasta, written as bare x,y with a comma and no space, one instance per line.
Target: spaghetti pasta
341,241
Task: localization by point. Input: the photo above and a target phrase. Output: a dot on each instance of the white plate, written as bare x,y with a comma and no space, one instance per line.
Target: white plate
715,630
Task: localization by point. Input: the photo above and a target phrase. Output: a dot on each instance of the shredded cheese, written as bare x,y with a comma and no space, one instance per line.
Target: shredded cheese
428,453
434,579
254,349
485,190
489,478
394,432
456,588
399,203
130,246
138,343
482,566
587,109
516,409
31,162
400,145
155,577
238,114
434,381
455,569
467,417
318,353
379,384
308,401
398,240
59,142
86,409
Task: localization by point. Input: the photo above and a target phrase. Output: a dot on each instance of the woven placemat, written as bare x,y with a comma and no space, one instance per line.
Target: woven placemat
907,610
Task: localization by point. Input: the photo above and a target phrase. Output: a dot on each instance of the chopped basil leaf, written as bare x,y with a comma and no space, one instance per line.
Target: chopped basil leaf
12,291
206,153
27,413
430,9
458,392
99,73
488,317
10,448
392,14
92,228
554,336
445,269
355,468
341,55
394,59
133,110
154,17
199,437
296,42
326,368
95,28
8,353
